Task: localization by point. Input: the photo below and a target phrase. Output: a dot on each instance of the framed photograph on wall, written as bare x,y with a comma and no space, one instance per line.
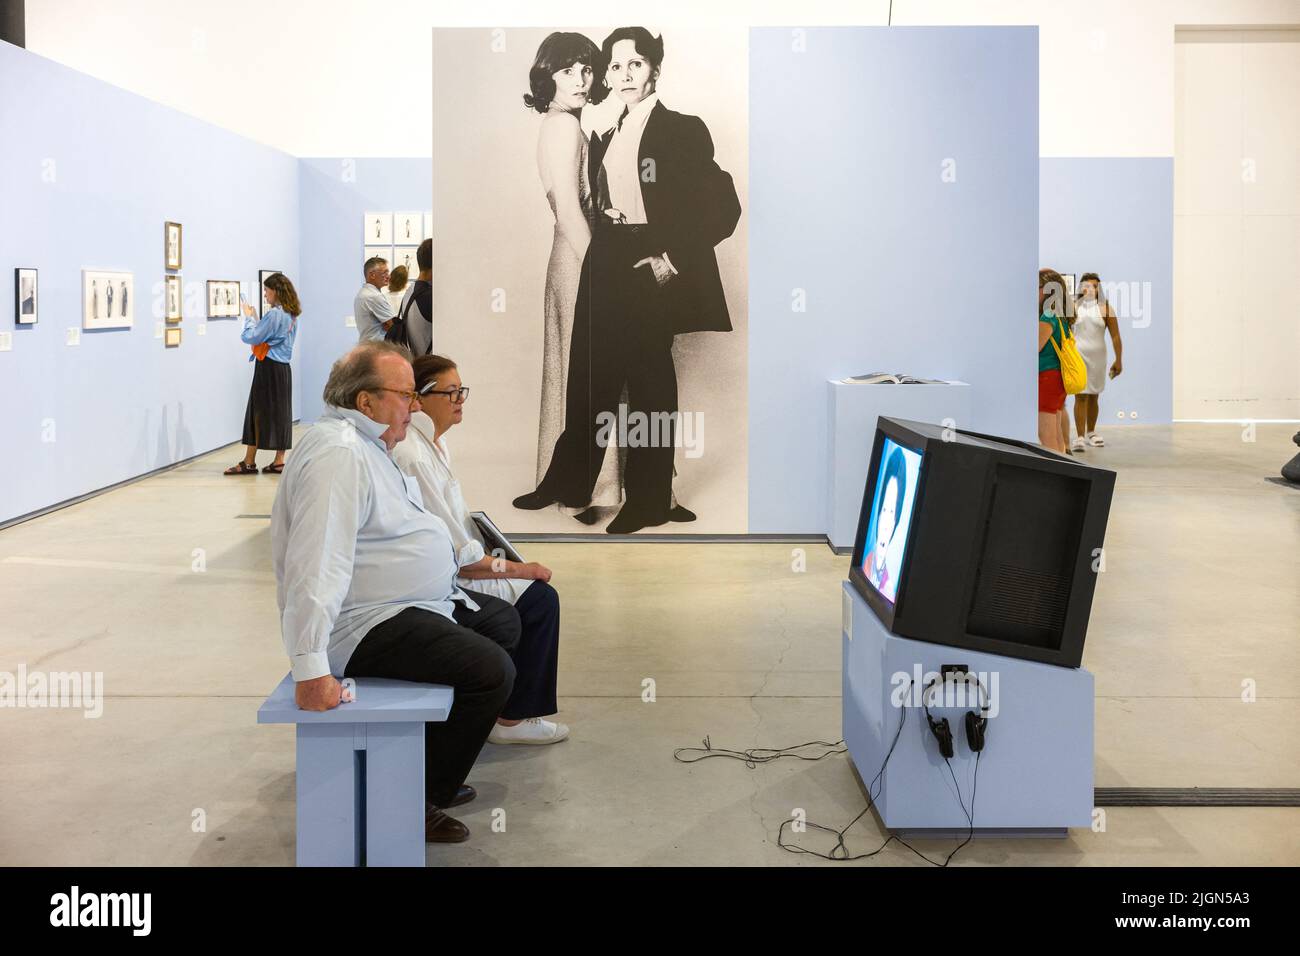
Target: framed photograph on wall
223,299
172,298
1069,283
428,225
408,228
172,337
262,276
172,245
405,256
107,299
27,310
378,228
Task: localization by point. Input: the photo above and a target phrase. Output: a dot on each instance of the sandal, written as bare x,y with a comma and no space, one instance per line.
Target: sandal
273,469
243,468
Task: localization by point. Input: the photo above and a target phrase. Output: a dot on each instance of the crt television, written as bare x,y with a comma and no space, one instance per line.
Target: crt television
980,542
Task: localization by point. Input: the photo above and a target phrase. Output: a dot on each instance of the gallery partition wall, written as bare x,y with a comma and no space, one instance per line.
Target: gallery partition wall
1237,215
91,175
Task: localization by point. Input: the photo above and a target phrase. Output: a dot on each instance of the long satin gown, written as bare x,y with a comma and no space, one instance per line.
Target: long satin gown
562,273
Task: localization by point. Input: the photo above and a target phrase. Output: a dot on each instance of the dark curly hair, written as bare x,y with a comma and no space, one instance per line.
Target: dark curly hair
559,51
895,470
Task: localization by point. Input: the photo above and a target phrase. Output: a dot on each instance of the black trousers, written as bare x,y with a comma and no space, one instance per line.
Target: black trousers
471,654
621,336
537,656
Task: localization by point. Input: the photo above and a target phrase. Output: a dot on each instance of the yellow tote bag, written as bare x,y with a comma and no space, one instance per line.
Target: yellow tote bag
1073,372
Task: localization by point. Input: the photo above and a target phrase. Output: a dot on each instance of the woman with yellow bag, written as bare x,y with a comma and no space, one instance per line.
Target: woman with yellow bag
268,419
1060,367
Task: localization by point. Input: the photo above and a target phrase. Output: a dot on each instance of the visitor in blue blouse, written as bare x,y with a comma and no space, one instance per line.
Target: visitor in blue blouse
268,420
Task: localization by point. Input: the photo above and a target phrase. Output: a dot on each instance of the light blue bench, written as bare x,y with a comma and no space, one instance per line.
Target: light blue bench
361,771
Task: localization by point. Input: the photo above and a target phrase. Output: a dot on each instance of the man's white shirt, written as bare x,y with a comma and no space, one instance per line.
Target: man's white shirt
352,544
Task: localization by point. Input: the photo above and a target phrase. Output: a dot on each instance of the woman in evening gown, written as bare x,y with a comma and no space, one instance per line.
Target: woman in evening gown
563,81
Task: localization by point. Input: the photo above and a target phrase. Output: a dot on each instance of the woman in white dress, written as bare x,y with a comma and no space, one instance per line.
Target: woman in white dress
1094,318
562,83
424,456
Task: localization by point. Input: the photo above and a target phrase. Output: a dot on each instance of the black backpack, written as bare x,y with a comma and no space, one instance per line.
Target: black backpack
397,331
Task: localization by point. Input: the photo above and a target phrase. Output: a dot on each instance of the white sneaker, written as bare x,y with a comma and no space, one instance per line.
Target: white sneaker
1078,445
1095,440
534,730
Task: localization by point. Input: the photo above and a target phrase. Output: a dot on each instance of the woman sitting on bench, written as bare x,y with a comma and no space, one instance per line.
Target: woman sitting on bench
423,455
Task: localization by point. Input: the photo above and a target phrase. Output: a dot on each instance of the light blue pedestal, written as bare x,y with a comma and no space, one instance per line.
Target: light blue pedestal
852,422
1035,772
361,771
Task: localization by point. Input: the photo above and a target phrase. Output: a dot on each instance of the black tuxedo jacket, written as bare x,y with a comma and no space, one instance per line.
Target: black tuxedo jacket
691,206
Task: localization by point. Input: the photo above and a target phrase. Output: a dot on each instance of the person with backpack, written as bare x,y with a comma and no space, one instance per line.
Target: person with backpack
268,419
413,326
1060,368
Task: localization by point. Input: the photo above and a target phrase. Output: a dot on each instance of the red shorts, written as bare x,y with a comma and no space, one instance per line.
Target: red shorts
1051,391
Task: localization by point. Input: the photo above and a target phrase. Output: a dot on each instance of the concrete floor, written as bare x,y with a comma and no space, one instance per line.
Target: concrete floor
1201,592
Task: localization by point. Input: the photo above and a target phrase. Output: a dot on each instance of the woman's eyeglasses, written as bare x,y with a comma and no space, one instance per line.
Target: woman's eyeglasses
457,395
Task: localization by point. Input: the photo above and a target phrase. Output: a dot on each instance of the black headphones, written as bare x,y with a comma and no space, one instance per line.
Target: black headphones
976,722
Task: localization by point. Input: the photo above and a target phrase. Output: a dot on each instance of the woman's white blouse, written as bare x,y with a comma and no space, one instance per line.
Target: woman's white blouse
429,463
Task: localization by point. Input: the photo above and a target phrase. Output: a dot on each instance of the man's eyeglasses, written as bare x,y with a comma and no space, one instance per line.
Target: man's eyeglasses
457,395
409,396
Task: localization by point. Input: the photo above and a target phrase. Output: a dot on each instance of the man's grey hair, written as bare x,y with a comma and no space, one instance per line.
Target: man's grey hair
357,372
373,263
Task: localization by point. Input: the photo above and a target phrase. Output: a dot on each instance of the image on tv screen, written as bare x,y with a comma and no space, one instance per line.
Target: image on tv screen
891,518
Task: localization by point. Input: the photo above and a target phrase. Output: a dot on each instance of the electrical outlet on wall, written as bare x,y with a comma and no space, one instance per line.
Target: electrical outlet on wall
203,328
6,341
158,330
350,321
74,336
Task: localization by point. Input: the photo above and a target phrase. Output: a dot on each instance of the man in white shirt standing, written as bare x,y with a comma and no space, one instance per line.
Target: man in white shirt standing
371,309
366,577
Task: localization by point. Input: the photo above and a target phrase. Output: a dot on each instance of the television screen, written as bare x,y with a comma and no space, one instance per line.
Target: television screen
980,542
885,547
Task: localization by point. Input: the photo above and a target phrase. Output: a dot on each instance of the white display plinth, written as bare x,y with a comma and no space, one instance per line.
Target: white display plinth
1035,772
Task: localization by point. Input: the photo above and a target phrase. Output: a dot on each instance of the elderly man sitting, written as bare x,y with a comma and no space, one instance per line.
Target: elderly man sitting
367,577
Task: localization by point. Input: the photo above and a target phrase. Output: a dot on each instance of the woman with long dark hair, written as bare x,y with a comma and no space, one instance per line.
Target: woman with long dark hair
562,81
268,419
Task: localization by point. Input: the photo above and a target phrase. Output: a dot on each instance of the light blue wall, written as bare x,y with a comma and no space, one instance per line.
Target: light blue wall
336,194
88,175
902,271
1115,217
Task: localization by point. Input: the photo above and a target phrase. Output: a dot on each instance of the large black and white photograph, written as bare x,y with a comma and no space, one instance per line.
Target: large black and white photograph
595,291
107,299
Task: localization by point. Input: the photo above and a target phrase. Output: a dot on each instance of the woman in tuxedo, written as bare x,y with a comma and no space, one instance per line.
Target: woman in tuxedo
561,83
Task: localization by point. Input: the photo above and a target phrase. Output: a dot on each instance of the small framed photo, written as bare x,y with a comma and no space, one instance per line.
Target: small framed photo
379,229
428,225
405,256
223,299
262,276
1069,283
107,299
172,337
383,252
408,228
172,245
172,298
27,307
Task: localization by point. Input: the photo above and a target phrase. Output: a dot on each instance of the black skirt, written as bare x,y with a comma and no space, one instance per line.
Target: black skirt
268,422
